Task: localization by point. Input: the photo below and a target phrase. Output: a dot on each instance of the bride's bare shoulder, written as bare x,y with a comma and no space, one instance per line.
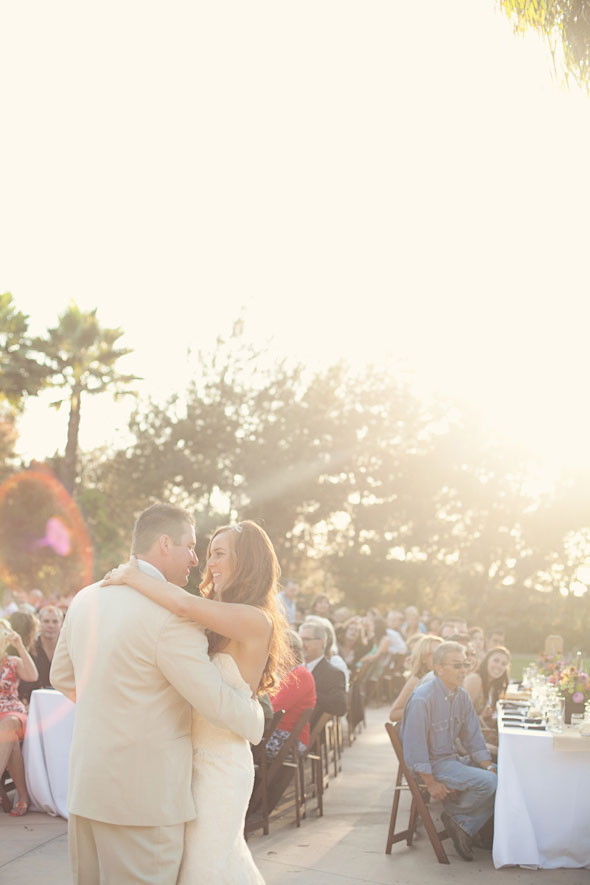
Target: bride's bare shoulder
264,618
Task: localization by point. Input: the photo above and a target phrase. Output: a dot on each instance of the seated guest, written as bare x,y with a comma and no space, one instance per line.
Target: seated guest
397,646
330,684
478,641
439,726
13,714
368,625
320,606
26,624
495,638
378,655
332,644
447,628
50,623
352,644
341,615
411,643
287,598
295,694
412,623
420,665
485,687
464,639
434,625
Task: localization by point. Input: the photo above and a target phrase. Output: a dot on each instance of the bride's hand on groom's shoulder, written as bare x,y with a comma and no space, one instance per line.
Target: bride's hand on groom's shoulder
121,574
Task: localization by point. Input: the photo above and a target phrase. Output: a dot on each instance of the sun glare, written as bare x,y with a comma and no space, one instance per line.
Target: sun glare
416,199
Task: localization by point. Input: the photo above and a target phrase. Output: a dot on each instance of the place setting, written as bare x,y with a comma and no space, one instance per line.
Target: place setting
542,706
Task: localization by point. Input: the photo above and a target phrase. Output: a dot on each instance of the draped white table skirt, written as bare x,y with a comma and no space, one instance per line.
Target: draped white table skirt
542,814
46,750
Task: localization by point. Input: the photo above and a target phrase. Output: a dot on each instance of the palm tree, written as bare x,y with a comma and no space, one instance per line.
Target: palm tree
81,357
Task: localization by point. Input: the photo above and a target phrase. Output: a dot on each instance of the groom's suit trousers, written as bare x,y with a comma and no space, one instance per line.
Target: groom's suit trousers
128,855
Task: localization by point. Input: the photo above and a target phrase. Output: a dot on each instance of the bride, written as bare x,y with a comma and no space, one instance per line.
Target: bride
248,644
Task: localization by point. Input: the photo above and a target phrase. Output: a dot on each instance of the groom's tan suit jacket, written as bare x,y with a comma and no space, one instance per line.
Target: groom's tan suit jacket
135,672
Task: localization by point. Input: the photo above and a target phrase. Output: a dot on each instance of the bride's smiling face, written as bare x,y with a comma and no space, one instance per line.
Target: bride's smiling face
220,561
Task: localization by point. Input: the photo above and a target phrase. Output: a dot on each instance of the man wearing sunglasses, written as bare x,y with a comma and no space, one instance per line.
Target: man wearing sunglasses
444,746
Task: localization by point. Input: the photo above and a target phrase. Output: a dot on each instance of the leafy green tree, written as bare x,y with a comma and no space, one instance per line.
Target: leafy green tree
21,372
383,497
80,356
565,24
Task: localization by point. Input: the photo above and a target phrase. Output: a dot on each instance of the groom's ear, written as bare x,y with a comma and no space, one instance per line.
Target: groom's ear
164,543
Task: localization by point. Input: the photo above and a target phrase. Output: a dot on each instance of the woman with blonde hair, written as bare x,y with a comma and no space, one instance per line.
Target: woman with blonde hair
247,641
13,713
420,665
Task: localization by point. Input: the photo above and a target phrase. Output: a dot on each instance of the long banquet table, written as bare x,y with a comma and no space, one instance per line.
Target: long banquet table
542,813
46,750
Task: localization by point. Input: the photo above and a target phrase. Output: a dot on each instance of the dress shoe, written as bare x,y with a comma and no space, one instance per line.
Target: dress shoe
482,841
485,837
461,839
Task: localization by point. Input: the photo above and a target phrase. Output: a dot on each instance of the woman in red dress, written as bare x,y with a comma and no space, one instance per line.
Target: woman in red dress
295,694
13,713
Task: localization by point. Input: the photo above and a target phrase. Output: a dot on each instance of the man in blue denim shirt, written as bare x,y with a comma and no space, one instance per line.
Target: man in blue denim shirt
443,744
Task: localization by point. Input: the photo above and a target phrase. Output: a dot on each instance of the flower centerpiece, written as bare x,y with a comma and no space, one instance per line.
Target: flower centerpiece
574,685
551,665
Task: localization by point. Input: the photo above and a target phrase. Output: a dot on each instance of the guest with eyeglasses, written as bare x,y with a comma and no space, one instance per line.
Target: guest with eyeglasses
444,746
466,641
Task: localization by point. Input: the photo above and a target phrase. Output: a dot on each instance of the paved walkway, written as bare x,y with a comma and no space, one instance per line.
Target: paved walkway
346,846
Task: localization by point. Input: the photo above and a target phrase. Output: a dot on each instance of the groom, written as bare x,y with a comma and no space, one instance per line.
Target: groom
135,672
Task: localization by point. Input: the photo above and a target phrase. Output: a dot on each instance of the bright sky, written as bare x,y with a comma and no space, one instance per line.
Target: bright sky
390,181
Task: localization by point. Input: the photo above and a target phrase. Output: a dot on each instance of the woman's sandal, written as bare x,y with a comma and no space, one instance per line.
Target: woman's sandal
20,809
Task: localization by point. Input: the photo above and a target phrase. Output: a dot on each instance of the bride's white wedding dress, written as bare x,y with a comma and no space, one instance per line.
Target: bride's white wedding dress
215,850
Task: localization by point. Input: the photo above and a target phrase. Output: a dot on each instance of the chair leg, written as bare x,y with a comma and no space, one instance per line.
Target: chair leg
264,799
319,784
413,822
394,809
434,837
297,798
301,775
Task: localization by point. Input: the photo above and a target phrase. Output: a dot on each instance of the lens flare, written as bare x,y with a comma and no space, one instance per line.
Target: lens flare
57,536
43,538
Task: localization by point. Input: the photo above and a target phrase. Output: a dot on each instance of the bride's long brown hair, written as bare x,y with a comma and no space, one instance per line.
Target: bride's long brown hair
255,581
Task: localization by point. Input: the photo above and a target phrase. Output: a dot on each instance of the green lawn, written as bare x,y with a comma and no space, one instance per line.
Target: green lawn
518,663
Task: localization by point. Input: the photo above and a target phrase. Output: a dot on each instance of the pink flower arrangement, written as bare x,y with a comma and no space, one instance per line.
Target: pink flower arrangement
572,683
569,677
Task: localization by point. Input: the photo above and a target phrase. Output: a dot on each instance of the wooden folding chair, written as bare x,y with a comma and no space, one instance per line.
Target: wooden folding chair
261,768
355,715
279,774
392,679
334,744
418,808
313,755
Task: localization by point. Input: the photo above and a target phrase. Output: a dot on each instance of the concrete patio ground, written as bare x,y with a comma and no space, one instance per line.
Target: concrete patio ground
346,846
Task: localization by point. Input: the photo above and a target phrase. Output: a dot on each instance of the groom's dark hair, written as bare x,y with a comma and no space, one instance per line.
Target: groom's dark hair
159,519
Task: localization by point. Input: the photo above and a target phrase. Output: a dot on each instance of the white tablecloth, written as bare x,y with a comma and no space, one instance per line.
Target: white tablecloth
542,815
46,750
